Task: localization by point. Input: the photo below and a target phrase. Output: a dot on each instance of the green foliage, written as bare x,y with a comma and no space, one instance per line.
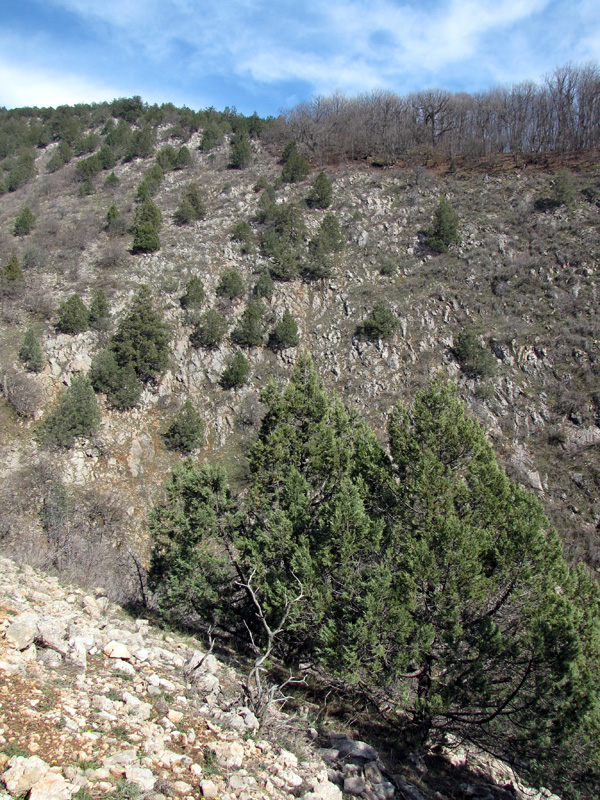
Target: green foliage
75,414
212,136
142,338
184,158
209,330
445,229
231,285
106,157
99,310
147,212
250,330
111,181
24,222
11,271
321,192
120,384
236,372
31,352
285,333
145,239
166,158
264,285
185,430
475,359
114,224
381,323
243,233
328,239
141,144
73,316
240,155
191,206
388,267
295,169
86,188
283,237
189,569
87,168
194,294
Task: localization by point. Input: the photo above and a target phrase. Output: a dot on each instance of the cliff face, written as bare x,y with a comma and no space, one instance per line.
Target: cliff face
523,281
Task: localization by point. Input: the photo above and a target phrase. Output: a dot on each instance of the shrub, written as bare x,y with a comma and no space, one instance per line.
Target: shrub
236,373
240,154
250,329
209,330
31,352
11,271
99,310
22,392
381,323
24,222
243,233
191,206
141,145
120,384
142,338
73,316
106,157
295,166
264,285
184,158
329,238
145,238
185,431
475,359
285,333
444,231
321,193
166,158
194,294
111,181
75,414
231,285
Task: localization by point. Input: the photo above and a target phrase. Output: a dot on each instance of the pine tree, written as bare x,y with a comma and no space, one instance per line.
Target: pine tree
445,230
250,330
185,431
381,323
31,353
11,271
99,309
321,193
75,414
231,285
142,338
285,333
194,294
236,373
24,222
240,155
209,330
73,316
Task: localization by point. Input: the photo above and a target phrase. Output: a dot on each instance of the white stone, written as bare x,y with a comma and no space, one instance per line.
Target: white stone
116,649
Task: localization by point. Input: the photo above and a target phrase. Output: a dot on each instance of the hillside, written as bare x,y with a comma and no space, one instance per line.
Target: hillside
522,282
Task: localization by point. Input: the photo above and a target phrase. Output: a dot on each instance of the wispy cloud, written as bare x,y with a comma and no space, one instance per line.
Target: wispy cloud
257,49
32,87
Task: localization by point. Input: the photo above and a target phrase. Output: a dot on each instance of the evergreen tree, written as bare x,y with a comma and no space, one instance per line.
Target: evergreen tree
120,384
24,222
381,323
240,155
194,294
185,430
145,238
445,230
99,309
231,285
184,158
75,414
295,166
11,271
264,285
321,193
285,333
73,316
236,373
31,353
142,338
209,330
475,359
250,330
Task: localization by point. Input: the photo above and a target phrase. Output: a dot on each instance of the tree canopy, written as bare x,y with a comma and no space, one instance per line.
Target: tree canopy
432,585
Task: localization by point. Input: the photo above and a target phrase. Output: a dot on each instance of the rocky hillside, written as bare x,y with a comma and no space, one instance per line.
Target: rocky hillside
95,702
523,282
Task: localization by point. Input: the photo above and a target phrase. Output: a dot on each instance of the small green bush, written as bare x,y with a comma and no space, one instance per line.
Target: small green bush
250,330
264,285
321,193
381,323
285,333
236,373
240,154
73,316
475,359
24,222
31,353
185,431
445,230
11,271
209,330
231,285
194,294
99,310
145,238
75,414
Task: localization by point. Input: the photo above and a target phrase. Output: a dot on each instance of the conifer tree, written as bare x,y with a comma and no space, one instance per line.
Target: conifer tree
250,330
236,372
209,330
185,431
321,193
142,338
24,222
31,353
75,414
73,316
285,333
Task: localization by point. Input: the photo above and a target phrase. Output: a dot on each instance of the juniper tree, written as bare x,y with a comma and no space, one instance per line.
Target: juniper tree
250,330
142,338
24,222
321,192
236,372
31,352
75,414
184,432
73,316
285,333
209,330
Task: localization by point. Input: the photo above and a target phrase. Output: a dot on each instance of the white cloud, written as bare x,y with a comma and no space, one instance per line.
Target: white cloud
23,86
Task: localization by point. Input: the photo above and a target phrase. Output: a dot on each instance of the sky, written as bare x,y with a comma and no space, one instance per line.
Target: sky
264,56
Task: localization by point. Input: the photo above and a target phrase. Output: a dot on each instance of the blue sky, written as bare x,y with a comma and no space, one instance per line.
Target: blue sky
265,56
